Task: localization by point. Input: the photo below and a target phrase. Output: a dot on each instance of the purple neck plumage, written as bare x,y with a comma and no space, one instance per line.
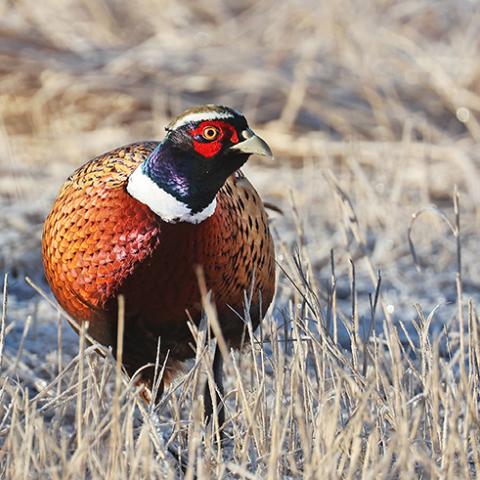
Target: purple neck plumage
173,170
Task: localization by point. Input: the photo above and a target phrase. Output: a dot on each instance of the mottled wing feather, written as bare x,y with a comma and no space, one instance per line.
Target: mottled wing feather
248,250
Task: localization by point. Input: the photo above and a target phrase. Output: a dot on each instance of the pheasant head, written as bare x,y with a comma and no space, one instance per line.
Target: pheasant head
203,147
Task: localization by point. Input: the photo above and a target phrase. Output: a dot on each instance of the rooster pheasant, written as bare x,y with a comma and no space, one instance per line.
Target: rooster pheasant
138,220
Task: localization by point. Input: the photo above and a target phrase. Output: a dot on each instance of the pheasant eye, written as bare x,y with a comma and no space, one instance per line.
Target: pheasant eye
210,133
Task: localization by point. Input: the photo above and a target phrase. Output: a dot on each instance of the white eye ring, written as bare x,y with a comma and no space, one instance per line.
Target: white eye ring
210,133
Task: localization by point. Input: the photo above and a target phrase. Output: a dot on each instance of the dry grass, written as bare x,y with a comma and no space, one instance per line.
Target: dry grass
372,110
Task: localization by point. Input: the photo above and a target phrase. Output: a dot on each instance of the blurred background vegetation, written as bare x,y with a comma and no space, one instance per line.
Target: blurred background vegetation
366,70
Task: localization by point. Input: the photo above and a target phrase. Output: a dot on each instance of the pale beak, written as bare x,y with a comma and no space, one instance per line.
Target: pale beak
252,144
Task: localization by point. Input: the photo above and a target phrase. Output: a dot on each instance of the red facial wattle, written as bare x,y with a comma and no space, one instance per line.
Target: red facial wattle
208,149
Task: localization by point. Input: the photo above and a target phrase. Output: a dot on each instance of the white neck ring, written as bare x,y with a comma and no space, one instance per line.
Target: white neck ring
166,206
